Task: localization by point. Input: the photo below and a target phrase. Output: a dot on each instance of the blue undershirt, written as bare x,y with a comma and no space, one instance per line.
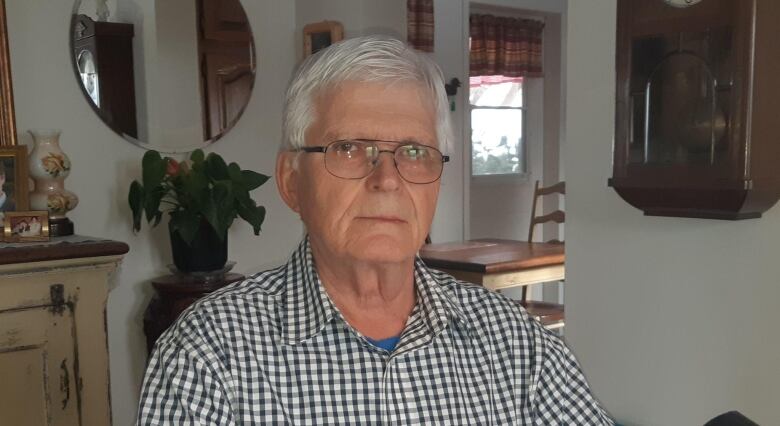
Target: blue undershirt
386,344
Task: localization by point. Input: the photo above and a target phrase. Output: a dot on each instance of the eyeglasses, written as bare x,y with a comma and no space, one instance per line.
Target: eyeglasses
357,158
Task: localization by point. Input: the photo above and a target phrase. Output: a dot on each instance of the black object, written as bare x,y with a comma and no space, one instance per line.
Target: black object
174,294
206,253
320,41
732,418
452,87
60,227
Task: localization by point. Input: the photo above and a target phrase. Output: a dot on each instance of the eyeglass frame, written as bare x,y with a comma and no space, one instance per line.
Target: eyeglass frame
324,148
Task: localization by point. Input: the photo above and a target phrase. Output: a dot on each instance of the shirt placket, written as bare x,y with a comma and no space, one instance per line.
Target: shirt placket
395,388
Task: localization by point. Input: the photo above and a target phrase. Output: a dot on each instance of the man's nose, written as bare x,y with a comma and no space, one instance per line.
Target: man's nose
385,175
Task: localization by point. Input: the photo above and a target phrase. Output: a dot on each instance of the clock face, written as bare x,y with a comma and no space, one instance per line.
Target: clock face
681,3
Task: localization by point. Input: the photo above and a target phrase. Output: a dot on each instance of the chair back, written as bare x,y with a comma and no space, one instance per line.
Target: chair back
558,216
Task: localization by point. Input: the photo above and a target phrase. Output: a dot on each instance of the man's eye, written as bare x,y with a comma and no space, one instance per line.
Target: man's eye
346,147
416,152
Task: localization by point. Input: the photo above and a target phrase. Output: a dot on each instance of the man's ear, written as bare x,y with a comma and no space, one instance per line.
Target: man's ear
287,179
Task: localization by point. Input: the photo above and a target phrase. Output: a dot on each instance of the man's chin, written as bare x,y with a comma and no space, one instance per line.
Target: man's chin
383,249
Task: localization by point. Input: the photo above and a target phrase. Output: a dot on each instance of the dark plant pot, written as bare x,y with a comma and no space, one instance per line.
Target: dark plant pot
206,253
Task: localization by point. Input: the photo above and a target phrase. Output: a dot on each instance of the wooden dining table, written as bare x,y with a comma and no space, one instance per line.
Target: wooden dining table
496,263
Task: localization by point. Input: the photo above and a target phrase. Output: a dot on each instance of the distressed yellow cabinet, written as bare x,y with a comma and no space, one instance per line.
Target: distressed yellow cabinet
53,346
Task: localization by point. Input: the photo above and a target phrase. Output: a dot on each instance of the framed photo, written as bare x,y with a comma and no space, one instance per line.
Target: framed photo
13,180
26,226
320,35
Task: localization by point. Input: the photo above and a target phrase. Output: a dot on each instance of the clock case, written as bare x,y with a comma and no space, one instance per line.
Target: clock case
697,113
109,49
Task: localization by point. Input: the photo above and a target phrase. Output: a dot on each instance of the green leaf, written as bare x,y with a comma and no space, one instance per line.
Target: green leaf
197,168
209,210
186,224
223,193
223,199
197,156
136,199
254,215
242,197
253,180
216,169
234,172
152,169
157,218
152,204
240,188
195,190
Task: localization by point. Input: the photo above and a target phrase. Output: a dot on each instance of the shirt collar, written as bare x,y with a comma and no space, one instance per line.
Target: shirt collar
308,307
437,307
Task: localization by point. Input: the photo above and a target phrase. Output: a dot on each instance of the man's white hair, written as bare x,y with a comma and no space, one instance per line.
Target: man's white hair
366,59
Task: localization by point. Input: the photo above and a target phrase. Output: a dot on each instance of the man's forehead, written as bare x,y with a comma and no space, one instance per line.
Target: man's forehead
341,134
394,111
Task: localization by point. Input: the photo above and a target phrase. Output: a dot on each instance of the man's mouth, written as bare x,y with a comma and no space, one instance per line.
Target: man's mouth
384,218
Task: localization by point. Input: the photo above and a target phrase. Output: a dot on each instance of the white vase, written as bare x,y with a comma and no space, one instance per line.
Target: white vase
49,167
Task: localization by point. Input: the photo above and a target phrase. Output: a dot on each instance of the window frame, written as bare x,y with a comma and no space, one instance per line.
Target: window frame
501,177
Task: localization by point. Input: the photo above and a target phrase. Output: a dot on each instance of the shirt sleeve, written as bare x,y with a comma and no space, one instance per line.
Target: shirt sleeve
185,383
562,393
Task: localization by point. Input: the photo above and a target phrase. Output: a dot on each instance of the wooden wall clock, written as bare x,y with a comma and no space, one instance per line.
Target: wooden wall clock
697,130
103,53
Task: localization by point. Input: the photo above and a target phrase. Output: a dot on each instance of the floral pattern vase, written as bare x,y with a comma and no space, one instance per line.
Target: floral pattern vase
49,167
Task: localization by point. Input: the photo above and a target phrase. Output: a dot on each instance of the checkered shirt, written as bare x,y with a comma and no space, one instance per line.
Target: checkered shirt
274,349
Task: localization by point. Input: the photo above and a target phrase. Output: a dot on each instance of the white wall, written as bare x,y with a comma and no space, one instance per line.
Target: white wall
449,43
47,95
552,116
176,66
674,320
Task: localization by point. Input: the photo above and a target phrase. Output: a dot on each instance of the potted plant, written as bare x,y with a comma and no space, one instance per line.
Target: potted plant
203,197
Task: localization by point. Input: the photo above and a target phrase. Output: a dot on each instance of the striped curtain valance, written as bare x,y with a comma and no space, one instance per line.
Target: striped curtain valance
506,46
419,24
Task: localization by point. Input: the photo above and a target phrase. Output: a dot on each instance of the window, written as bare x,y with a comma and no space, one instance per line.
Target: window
497,126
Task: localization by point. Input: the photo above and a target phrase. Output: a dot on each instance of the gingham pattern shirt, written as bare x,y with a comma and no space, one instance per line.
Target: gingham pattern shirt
274,349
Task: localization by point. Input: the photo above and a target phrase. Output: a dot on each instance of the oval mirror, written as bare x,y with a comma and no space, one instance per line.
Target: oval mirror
172,75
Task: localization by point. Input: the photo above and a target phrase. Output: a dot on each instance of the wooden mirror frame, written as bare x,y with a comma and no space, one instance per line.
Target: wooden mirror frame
7,117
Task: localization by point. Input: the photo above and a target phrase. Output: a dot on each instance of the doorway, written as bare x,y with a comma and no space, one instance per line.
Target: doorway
515,126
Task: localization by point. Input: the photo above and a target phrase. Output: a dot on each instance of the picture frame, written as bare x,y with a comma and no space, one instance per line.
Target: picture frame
14,181
7,115
320,35
26,226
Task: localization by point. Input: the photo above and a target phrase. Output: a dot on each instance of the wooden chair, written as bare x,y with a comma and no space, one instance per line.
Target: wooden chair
557,216
551,315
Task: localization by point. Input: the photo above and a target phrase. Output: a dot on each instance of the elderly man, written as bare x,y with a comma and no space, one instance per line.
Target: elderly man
355,329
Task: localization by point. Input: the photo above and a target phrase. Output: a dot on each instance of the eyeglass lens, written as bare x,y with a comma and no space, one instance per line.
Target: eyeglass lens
356,159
